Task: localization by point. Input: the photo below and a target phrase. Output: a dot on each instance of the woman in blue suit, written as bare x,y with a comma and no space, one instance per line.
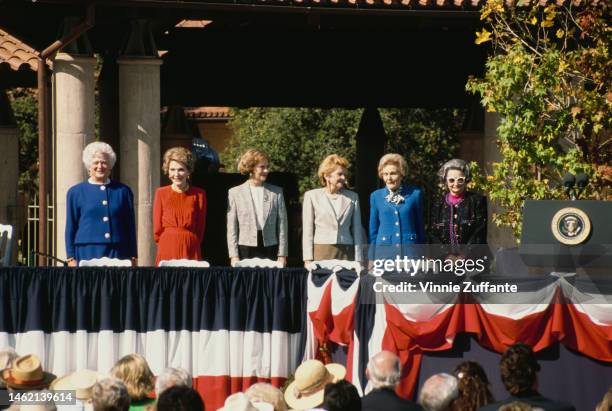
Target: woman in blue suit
100,212
396,212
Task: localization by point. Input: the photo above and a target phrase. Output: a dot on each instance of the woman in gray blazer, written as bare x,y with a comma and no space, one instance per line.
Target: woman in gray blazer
256,215
331,217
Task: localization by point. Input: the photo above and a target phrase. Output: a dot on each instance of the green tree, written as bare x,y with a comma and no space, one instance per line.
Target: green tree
298,139
548,77
25,110
426,138
295,139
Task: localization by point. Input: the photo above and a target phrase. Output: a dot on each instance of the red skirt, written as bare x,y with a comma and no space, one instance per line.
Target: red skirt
178,243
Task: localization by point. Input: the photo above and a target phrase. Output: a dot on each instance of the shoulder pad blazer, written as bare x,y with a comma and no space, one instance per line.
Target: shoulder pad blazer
321,225
242,219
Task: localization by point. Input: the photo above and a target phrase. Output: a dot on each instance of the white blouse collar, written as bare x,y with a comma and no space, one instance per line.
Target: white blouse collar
93,182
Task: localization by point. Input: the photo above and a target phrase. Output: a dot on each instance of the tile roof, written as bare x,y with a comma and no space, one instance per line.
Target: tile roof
16,54
220,113
193,23
215,113
446,5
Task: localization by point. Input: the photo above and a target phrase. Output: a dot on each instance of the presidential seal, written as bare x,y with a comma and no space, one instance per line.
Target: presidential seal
570,226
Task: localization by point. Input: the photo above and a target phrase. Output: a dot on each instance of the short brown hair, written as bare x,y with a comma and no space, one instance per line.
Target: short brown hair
180,155
250,159
395,160
519,368
135,373
329,164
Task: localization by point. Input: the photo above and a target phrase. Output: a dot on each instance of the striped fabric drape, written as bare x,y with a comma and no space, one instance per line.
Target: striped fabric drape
575,312
228,328
232,327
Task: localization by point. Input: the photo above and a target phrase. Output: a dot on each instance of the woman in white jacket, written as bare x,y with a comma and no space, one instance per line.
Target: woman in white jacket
256,214
331,217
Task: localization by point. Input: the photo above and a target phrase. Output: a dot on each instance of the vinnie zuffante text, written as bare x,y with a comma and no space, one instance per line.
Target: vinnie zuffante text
431,287
432,266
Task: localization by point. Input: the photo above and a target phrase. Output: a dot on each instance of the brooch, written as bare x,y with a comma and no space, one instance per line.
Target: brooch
394,198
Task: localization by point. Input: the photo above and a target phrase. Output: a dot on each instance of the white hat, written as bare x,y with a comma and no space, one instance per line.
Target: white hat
81,381
240,402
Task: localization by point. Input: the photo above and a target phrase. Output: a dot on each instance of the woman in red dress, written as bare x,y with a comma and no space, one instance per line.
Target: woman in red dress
179,210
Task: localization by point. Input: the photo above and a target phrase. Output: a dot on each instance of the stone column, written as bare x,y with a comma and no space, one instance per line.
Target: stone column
9,164
496,237
139,127
74,129
108,98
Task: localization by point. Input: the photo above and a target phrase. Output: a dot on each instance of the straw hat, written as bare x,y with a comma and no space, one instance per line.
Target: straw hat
26,374
308,387
81,381
240,402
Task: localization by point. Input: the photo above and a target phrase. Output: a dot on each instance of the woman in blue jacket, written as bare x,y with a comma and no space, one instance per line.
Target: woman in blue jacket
396,212
100,212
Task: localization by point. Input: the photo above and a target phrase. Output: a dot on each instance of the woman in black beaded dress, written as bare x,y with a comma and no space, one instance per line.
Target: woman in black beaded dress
458,219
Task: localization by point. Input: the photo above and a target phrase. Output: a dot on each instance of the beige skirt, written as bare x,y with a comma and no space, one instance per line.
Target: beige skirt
334,252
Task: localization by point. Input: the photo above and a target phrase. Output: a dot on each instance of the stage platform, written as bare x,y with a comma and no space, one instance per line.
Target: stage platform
233,327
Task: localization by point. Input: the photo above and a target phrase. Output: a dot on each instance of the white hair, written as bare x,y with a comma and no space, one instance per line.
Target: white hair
7,356
455,164
170,377
98,147
33,407
384,378
438,392
110,393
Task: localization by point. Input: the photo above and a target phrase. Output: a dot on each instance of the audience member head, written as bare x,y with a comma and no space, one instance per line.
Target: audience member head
438,392
47,404
135,373
180,398
341,396
7,356
384,370
240,402
606,402
171,377
519,369
307,389
26,374
110,394
474,388
264,392
518,406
